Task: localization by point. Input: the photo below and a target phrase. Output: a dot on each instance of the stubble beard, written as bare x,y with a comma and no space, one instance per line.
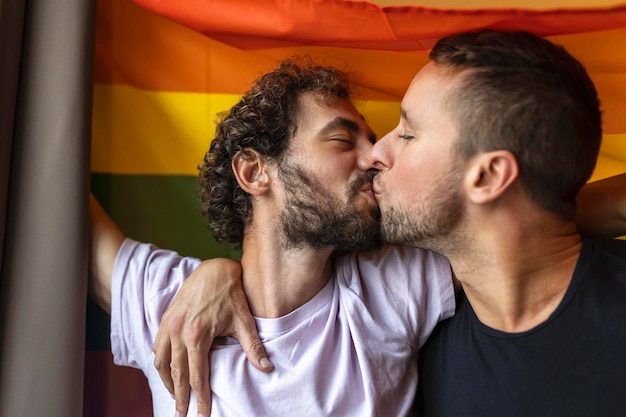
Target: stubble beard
432,225
313,218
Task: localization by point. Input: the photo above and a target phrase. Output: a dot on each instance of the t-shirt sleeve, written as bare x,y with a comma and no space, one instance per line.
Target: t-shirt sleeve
145,279
408,289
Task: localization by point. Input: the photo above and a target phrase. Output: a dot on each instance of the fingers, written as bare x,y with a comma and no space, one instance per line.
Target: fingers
180,378
162,359
256,353
173,354
199,374
249,339
210,303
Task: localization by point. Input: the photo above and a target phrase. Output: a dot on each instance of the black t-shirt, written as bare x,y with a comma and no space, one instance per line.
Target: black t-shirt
573,364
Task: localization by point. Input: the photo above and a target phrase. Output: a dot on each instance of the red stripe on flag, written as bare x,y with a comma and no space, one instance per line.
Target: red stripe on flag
253,24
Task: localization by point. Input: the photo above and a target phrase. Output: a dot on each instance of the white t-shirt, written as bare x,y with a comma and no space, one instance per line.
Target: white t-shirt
349,351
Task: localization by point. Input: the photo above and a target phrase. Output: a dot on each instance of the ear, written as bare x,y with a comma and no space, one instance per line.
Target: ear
251,171
489,175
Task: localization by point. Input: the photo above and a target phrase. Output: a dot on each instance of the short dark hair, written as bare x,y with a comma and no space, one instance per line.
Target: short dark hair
524,94
264,119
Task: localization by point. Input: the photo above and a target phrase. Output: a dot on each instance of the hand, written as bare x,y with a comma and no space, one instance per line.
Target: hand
209,304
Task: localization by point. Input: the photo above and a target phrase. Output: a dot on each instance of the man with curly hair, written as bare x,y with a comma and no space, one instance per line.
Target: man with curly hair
287,179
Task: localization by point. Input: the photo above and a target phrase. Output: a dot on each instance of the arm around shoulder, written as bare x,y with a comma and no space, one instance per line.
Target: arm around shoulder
602,207
105,240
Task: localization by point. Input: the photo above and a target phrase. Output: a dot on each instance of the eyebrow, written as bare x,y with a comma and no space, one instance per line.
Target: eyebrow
351,125
404,114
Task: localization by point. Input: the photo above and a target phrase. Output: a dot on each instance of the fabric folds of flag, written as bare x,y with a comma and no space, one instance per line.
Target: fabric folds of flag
165,69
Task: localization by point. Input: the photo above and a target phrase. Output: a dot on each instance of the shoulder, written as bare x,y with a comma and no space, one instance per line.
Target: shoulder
601,256
145,259
393,265
145,279
397,267
404,260
415,284
613,247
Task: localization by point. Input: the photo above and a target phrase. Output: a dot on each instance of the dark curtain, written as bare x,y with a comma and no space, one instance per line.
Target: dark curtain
46,54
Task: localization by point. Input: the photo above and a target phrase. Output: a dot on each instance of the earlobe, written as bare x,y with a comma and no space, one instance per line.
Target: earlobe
490,174
250,170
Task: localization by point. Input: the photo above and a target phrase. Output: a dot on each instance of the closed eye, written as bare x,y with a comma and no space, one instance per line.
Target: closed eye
406,137
346,140
344,143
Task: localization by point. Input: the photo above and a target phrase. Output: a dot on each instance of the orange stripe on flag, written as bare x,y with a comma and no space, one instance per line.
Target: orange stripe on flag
144,50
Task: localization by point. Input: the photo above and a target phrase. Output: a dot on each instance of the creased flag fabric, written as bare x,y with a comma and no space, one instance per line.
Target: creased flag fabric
252,24
165,69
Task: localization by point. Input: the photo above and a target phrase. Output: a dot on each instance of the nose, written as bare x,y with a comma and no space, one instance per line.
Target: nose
363,158
380,157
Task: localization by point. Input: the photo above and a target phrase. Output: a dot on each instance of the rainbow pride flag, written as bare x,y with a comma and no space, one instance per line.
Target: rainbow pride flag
164,70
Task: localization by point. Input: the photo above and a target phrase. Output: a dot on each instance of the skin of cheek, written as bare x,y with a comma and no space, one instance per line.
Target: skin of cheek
416,174
330,171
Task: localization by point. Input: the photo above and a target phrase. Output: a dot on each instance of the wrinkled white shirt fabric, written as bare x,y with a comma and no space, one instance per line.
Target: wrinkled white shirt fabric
349,351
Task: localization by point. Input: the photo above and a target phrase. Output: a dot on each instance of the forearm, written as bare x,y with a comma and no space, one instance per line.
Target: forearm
602,207
104,242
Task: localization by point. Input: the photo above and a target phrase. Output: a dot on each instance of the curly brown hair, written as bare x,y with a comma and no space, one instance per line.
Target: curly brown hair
264,120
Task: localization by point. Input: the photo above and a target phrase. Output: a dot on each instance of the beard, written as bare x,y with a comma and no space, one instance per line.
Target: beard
313,218
432,223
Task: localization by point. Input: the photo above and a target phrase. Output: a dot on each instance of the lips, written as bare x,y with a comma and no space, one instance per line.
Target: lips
367,188
377,189
369,191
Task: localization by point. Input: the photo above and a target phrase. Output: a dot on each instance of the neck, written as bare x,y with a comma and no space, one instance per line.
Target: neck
518,271
278,280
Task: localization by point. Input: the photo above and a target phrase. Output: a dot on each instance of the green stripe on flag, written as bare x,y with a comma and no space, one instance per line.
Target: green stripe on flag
159,209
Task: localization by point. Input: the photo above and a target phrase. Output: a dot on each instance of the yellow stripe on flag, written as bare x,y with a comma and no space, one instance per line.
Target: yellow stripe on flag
607,167
612,160
137,131
144,132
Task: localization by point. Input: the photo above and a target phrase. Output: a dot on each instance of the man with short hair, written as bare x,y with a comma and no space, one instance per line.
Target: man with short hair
499,132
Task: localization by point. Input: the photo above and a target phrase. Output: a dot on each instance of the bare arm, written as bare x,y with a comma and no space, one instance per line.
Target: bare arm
602,207
210,303
104,241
